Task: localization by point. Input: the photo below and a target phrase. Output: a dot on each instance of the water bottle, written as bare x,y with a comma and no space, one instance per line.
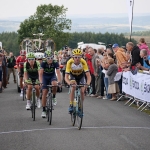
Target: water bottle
74,103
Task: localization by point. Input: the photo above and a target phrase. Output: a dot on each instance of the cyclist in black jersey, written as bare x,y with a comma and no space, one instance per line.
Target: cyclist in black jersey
31,72
48,76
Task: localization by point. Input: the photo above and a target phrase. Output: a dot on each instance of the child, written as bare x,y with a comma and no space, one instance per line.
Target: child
113,86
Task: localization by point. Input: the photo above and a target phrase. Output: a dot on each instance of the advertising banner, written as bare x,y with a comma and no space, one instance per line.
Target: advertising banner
137,85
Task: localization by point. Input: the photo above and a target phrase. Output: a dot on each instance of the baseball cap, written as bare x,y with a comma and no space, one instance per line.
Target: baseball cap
115,45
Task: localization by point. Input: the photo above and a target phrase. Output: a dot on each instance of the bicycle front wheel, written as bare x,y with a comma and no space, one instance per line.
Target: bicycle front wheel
80,113
33,105
24,94
73,116
49,109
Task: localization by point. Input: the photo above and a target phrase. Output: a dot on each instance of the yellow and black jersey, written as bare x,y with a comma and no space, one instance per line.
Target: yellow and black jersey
76,69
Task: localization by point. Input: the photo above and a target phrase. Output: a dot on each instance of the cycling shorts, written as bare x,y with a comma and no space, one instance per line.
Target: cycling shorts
21,73
47,80
78,79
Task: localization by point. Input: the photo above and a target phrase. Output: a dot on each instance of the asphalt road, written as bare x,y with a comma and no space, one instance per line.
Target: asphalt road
107,125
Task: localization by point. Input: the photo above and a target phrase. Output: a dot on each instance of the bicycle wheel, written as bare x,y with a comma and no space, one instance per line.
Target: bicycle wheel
50,109
73,116
33,105
24,94
80,113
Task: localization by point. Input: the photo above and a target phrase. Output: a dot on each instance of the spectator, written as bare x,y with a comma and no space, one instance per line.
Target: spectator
121,59
11,62
1,71
64,62
142,45
146,60
113,86
99,71
109,50
4,68
105,66
135,55
95,67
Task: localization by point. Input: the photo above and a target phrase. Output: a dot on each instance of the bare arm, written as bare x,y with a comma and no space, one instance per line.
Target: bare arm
41,75
67,78
88,77
58,75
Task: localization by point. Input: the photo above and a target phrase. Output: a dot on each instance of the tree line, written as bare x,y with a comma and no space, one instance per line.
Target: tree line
10,40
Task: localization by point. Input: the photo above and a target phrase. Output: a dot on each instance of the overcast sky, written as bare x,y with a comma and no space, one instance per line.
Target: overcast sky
15,8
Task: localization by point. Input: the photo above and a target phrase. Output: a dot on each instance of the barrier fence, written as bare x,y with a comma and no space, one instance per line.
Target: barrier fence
138,87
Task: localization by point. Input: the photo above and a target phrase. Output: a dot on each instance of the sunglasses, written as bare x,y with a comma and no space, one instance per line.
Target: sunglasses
77,57
49,58
31,59
22,55
39,59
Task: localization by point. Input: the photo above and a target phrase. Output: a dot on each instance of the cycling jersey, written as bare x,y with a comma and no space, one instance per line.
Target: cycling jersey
20,62
32,72
76,70
49,69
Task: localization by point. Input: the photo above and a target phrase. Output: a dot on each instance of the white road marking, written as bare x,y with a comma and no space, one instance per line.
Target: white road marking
69,128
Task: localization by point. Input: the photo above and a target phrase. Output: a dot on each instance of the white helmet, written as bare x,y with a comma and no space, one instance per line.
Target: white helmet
39,55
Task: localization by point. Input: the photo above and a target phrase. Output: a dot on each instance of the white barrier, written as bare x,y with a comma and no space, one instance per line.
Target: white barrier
137,85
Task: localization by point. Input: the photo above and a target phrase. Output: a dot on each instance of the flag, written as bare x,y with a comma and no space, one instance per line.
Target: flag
130,4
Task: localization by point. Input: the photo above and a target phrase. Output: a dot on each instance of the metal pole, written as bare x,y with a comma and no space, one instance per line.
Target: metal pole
131,21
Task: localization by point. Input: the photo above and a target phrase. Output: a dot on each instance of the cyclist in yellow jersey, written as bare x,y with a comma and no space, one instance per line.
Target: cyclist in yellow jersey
77,68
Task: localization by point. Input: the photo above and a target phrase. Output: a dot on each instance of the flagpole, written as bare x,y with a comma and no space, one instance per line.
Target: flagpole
131,20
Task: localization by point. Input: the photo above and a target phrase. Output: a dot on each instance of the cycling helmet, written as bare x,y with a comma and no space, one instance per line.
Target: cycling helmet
76,52
23,52
48,54
55,53
39,55
30,55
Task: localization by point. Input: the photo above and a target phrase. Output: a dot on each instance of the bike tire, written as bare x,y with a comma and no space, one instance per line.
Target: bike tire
50,109
73,116
24,94
33,105
79,118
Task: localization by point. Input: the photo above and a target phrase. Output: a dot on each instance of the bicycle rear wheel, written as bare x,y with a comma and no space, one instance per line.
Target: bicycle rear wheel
49,109
33,106
80,113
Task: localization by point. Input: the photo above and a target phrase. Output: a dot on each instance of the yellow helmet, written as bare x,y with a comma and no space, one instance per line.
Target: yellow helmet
76,52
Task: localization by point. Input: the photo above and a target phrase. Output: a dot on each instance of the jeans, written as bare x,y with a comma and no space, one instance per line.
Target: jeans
106,86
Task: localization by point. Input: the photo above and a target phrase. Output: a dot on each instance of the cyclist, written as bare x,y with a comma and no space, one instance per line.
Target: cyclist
77,69
48,76
20,62
39,57
31,72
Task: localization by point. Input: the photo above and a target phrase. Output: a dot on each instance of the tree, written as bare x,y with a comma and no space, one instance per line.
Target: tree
49,19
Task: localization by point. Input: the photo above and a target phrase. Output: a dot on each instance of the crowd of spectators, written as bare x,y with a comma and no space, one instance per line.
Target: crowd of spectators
7,63
104,64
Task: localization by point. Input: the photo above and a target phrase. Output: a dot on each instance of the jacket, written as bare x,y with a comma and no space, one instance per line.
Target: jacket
135,53
121,57
112,71
11,62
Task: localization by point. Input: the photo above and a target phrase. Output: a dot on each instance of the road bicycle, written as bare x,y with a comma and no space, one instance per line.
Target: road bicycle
77,113
49,103
33,98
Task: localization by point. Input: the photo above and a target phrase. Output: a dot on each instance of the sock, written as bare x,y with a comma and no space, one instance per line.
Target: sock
44,109
28,101
54,95
71,102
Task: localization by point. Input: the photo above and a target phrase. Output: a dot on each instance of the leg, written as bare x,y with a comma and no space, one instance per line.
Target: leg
8,76
14,74
29,92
